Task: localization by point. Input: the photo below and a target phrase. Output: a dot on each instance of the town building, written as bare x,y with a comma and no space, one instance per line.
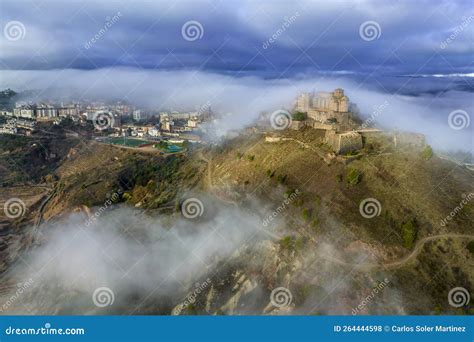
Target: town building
167,124
137,115
154,132
44,110
68,110
24,111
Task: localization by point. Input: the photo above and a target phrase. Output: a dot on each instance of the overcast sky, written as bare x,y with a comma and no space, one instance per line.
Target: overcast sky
318,36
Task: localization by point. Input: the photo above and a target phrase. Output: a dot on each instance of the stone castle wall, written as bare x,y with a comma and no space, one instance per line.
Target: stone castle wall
406,139
343,142
296,125
335,101
349,142
319,125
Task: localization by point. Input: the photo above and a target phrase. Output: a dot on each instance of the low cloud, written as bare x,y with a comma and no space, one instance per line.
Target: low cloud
139,259
413,105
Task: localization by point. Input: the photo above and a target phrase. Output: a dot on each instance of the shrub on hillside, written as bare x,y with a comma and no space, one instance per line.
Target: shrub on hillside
470,247
287,242
281,179
427,153
353,176
299,116
289,192
409,232
306,213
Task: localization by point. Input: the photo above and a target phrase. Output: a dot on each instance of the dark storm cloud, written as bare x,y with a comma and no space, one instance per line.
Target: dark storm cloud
252,56
308,36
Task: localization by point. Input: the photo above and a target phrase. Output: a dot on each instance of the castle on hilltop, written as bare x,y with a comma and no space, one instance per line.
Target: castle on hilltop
335,101
330,112
324,110
343,133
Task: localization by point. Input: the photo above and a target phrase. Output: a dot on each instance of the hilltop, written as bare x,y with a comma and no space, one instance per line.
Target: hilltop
316,243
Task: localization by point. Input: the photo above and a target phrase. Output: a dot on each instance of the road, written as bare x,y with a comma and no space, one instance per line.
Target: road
402,261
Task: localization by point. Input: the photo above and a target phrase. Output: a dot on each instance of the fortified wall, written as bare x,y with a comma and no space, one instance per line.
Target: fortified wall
343,142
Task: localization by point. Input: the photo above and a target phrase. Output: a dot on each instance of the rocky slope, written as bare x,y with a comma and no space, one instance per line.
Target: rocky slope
281,229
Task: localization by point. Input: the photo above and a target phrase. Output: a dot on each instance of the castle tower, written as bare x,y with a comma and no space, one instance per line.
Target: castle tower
344,104
339,102
339,92
303,102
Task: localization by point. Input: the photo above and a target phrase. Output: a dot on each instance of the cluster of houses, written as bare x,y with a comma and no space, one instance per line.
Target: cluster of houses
13,124
125,120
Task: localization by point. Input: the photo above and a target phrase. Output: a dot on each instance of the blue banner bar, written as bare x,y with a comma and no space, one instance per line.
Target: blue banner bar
237,328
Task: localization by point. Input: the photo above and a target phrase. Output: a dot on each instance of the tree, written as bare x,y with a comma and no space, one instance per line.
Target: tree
287,242
281,179
470,247
306,213
427,152
409,232
353,176
299,116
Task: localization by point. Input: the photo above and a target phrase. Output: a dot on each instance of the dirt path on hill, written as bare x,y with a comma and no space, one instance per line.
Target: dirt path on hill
209,171
310,147
212,189
400,262
364,266
39,217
